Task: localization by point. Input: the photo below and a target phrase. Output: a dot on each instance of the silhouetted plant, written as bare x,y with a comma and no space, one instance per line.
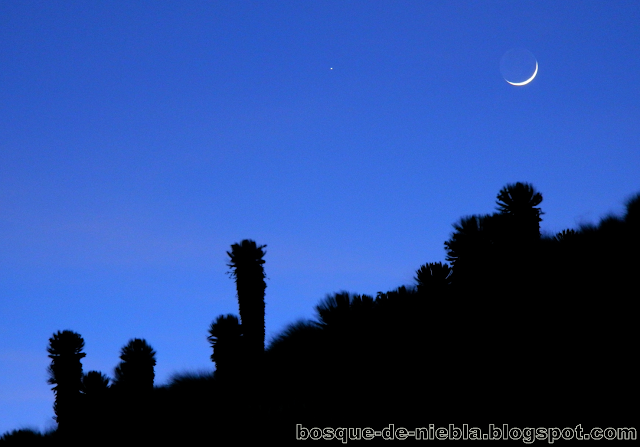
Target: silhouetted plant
135,372
611,226
469,239
471,249
362,307
565,235
95,411
295,338
246,267
346,319
346,351
190,407
132,393
519,200
22,437
334,310
65,372
516,236
94,383
226,339
404,351
433,275
399,297
498,248
296,360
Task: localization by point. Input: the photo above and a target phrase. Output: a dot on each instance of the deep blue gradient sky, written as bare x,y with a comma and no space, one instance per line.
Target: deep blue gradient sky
139,140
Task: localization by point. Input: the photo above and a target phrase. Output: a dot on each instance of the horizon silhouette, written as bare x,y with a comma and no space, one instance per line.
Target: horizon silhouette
519,327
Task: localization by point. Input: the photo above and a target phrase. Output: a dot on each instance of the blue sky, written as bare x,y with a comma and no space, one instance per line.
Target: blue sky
139,140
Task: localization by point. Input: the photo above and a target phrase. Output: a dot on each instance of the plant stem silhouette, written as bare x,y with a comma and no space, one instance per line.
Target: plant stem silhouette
65,373
246,267
225,337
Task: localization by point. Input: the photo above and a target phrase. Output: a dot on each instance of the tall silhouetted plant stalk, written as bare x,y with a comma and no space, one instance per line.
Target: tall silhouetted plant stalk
236,382
246,263
65,373
133,387
247,270
238,347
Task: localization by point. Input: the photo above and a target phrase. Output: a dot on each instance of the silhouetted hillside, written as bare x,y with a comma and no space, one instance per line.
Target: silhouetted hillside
520,328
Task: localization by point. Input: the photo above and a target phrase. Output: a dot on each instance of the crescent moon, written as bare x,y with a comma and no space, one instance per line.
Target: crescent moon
528,80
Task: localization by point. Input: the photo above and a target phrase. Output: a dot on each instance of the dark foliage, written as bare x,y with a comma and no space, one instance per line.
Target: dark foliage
247,270
520,328
135,373
65,373
22,437
519,201
433,277
225,338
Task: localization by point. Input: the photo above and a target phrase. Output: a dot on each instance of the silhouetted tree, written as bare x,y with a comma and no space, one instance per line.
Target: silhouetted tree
246,267
225,337
65,372
519,201
135,372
